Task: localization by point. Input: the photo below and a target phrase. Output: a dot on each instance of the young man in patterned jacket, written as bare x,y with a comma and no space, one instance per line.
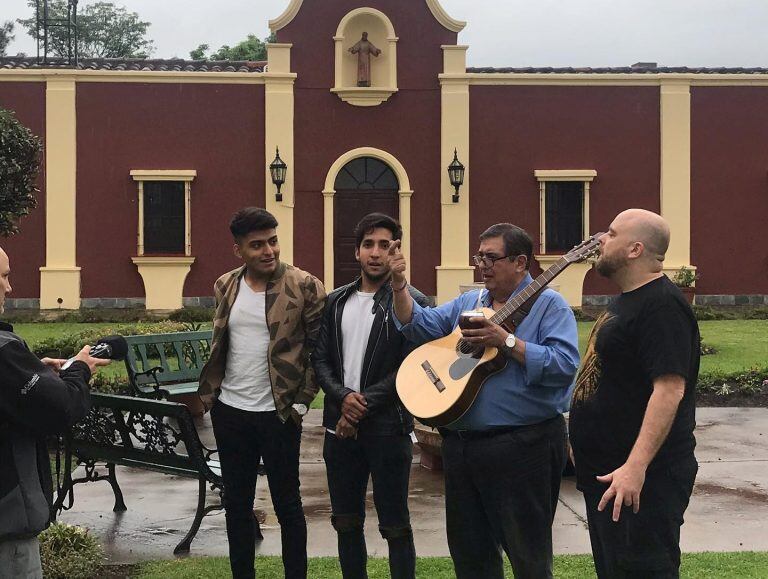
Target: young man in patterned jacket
259,384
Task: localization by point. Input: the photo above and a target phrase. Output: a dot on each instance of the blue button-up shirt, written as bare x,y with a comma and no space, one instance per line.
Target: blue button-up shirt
518,395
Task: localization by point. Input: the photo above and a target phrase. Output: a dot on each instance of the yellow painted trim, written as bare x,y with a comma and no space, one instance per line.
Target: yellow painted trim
587,79
365,10
59,283
163,174
405,193
279,133
675,186
286,17
60,278
570,283
454,270
163,280
364,96
565,174
442,17
143,76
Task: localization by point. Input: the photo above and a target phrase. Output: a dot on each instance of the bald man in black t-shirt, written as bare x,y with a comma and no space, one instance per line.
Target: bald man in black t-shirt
633,411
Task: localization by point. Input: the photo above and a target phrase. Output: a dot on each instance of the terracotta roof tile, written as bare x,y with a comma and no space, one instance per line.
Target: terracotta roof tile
145,65
620,70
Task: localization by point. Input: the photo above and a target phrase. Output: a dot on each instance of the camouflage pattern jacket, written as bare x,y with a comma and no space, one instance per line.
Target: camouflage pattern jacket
295,301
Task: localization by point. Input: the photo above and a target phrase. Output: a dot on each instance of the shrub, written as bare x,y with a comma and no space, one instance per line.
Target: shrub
746,382
69,345
69,552
192,315
19,165
685,277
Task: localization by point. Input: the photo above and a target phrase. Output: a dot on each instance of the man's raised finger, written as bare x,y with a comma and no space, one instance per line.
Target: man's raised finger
394,247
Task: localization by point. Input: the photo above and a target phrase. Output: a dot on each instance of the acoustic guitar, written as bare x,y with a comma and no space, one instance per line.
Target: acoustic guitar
439,381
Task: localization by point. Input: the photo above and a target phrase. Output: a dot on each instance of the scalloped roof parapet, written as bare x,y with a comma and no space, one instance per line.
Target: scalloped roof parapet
434,7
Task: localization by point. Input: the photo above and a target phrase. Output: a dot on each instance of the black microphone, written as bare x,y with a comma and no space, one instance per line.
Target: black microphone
109,348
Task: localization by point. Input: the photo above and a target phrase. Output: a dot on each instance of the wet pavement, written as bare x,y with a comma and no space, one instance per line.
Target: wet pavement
727,510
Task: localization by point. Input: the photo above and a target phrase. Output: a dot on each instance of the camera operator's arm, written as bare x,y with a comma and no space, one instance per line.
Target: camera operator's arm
33,396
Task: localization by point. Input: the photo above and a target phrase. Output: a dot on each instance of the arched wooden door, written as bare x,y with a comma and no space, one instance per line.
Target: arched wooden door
364,185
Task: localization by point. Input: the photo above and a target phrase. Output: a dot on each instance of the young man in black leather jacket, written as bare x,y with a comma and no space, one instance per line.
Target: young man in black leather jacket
368,430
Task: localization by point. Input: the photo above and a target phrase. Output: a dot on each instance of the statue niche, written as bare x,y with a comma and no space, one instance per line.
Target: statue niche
365,53
364,50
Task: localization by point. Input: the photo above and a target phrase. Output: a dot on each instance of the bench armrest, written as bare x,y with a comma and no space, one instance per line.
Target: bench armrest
153,372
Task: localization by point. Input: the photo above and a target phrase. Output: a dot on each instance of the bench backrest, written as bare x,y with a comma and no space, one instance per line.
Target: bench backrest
182,356
154,433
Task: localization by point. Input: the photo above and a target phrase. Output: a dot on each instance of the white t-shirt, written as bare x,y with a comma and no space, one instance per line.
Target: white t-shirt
356,323
246,383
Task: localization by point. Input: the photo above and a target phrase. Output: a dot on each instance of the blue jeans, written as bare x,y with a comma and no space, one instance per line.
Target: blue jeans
501,492
387,461
243,439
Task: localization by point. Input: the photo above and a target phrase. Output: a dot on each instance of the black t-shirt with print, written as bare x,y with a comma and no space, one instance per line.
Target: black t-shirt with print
649,332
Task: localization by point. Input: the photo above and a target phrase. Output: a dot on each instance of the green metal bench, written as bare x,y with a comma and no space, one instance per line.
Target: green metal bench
163,365
141,433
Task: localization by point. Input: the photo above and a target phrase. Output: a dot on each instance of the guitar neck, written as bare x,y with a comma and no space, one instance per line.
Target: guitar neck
531,290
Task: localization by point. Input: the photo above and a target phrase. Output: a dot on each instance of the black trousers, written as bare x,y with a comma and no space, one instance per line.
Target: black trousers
501,493
647,544
243,438
387,461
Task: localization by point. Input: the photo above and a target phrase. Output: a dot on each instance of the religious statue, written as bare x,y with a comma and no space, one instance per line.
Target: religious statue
364,49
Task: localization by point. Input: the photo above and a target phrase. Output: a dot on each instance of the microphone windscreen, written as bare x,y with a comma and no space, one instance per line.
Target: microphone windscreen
117,344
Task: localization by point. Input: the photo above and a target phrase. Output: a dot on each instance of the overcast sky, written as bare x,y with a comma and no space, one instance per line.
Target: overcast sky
499,32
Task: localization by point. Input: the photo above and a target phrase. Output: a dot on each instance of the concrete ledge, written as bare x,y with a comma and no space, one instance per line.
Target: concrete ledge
22,304
700,300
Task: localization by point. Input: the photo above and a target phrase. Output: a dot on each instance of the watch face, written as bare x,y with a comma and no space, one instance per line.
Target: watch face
510,341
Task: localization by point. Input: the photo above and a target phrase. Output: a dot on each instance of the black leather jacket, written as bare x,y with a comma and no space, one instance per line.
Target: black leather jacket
386,350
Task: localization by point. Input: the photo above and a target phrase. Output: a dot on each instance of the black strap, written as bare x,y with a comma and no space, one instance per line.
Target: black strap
514,321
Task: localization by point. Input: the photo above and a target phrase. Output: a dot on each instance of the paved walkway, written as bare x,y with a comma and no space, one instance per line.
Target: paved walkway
727,513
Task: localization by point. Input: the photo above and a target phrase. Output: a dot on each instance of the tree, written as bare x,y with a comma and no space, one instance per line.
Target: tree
104,31
19,164
249,49
6,35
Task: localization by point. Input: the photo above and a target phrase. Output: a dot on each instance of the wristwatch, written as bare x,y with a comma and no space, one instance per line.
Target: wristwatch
510,341
301,409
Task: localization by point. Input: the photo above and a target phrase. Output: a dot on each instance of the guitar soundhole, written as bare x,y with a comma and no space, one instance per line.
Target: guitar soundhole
465,349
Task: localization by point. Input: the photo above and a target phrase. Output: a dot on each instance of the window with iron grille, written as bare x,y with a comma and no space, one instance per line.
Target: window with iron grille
164,223
564,215
564,208
164,211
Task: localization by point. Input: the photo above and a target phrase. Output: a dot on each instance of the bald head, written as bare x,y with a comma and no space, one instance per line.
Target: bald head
649,228
5,283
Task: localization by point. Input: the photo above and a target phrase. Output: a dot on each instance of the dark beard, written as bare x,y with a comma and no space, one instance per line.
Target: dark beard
375,278
608,266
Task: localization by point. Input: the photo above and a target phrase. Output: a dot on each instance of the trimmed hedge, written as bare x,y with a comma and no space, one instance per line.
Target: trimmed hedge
69,345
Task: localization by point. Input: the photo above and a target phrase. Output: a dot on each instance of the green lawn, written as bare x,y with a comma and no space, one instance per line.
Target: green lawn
694,566
740,344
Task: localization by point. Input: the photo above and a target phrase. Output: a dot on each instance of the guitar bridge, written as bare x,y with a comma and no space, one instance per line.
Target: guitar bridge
433,377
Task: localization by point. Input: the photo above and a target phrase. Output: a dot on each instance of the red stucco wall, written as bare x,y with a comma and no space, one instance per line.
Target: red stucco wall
26,250
729,189
518,129
407,126
216,129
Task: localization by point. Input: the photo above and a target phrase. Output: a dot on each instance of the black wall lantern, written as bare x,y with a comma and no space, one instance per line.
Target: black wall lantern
456,175
278,169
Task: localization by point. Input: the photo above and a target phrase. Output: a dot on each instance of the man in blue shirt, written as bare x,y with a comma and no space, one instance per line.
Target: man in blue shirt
504,457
